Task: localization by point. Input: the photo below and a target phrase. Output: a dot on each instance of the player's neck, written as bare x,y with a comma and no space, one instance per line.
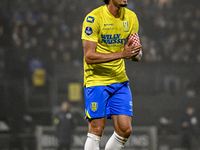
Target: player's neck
115,11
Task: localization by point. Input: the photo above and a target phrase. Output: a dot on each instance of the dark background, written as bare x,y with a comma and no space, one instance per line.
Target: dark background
164,83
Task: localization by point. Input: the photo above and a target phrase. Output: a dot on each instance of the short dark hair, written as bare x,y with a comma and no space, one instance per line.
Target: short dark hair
106,1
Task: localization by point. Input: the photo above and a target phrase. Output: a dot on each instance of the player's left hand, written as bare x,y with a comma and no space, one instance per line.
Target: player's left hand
136,49
131,50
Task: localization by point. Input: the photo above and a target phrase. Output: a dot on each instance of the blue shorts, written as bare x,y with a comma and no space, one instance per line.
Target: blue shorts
114,99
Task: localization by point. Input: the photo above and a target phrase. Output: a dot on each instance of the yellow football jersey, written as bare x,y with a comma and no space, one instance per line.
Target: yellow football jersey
110,33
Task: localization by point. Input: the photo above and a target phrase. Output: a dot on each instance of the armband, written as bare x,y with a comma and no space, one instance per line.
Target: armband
135,38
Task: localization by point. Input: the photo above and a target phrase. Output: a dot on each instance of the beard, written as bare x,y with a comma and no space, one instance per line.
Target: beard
123,5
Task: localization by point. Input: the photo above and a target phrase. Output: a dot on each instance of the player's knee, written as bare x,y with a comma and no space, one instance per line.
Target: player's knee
96,128
100,129
126,131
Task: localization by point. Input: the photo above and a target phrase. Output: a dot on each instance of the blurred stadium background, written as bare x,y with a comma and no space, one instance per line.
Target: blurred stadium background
41,65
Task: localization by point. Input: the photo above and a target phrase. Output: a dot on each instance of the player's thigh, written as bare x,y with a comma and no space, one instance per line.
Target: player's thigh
96,126
122,125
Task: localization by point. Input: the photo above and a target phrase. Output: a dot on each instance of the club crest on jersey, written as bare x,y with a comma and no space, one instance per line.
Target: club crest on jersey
88,31
94,106
125,25
90,19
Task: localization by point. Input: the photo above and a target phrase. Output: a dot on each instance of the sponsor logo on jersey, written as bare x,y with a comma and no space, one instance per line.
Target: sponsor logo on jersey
107,24
90,19
125,25
88,31
111,39
108,29
94,106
